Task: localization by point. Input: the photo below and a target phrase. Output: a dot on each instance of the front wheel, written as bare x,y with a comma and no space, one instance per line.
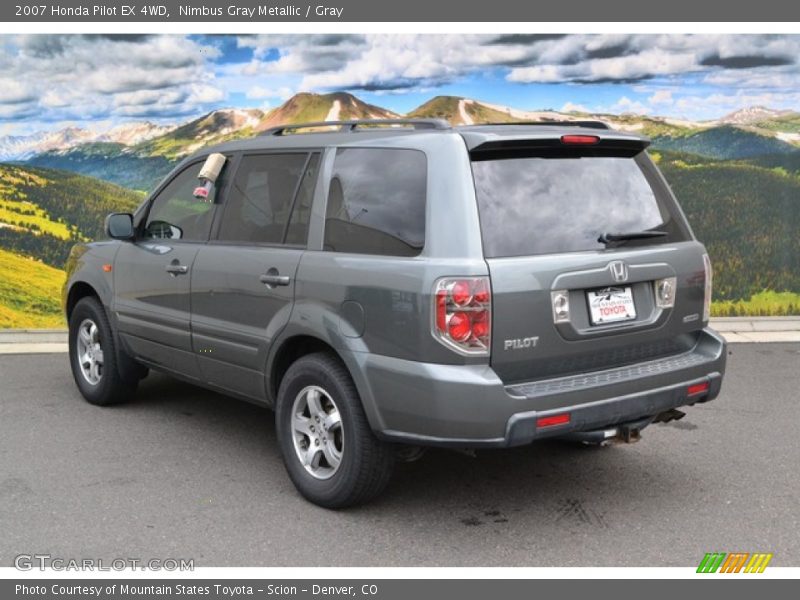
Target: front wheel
330,452
93,356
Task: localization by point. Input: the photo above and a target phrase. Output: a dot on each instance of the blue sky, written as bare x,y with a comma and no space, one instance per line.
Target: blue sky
49,81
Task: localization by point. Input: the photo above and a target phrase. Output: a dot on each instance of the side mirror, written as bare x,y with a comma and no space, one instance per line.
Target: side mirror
119,226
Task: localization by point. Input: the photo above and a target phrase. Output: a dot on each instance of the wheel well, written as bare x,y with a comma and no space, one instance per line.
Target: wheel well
76,292
289,352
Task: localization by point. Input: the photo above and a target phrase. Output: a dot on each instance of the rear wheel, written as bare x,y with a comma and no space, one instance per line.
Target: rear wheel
330,452
93,356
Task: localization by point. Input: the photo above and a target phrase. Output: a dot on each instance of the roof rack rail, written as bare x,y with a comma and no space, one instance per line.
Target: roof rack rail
587,124
353,125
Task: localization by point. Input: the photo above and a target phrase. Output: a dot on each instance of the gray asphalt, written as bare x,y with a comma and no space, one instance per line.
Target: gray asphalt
185,473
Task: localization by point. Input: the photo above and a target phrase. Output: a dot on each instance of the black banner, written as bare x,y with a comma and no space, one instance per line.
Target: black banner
381,589
264,11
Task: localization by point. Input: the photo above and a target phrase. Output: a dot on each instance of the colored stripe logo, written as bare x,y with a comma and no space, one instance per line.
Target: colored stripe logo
734,562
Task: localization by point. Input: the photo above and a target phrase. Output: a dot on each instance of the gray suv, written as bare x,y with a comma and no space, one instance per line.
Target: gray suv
387,286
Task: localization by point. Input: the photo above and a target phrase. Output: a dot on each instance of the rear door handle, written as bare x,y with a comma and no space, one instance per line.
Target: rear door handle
177,269
272,279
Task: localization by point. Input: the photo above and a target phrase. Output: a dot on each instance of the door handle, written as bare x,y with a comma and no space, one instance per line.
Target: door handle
177,269
272,279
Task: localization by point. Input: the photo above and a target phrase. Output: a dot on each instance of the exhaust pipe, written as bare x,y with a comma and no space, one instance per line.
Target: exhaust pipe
626,433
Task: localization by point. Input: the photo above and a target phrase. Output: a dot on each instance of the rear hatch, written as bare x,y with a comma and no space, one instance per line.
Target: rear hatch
586,249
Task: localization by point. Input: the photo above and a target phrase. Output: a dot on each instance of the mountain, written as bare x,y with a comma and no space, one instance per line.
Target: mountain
753,115
43,212
138,154
462,111
135,132
725,142
212,128
24,147
111,162
337,106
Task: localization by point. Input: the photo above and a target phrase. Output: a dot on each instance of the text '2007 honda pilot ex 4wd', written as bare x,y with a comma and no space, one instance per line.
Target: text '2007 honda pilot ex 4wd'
391,285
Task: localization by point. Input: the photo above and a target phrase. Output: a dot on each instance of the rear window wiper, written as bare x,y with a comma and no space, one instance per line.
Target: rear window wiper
618,238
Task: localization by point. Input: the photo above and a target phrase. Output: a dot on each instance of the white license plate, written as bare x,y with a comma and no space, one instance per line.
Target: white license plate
611,305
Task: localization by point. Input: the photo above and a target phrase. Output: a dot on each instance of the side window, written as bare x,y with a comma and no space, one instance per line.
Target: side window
177,214
376,202
260,200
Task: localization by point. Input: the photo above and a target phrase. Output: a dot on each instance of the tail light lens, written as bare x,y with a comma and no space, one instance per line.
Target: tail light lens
463,314
708,289
560,299
665,292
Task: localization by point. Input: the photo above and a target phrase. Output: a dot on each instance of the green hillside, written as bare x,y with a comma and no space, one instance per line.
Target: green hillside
788,123
111,162
43,212
29,293
749,218
724,142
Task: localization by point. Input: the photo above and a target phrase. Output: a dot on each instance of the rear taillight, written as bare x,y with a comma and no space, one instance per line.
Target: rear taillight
708,289
463,314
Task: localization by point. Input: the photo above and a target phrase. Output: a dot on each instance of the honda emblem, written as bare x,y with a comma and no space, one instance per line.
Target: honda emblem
619,271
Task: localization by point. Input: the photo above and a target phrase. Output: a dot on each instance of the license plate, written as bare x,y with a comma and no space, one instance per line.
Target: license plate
610,305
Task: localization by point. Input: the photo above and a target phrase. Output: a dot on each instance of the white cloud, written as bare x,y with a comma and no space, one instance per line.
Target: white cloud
571,107
84,76
626,105
78,77
14,92
202,93
258,92
661,97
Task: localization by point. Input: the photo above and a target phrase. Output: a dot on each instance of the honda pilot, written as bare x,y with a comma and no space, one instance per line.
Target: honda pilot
392,285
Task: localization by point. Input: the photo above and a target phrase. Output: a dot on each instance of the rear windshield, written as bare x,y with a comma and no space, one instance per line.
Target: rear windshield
543,205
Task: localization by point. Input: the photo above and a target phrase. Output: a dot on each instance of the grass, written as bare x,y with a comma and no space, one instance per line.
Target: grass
30,293
28,216
763,304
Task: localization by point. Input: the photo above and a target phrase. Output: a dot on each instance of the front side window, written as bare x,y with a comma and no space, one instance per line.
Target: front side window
376,202
261,197
176,214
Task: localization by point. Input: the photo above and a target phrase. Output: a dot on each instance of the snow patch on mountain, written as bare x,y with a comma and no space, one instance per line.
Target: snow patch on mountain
336,109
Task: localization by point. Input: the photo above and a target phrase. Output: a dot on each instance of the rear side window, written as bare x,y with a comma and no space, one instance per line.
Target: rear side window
543,205
260,200
376,202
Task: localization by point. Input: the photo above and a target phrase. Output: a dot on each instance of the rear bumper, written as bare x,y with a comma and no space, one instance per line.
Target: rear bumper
468,406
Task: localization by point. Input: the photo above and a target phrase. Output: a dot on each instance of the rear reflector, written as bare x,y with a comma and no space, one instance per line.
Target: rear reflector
580,139
552,420
697,388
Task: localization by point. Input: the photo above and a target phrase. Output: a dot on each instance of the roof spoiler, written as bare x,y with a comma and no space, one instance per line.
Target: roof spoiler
555,146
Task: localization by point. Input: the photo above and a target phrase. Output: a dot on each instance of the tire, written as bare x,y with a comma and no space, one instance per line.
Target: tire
97,376
365,463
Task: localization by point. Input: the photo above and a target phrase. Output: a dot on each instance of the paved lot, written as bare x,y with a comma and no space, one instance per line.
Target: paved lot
186,473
